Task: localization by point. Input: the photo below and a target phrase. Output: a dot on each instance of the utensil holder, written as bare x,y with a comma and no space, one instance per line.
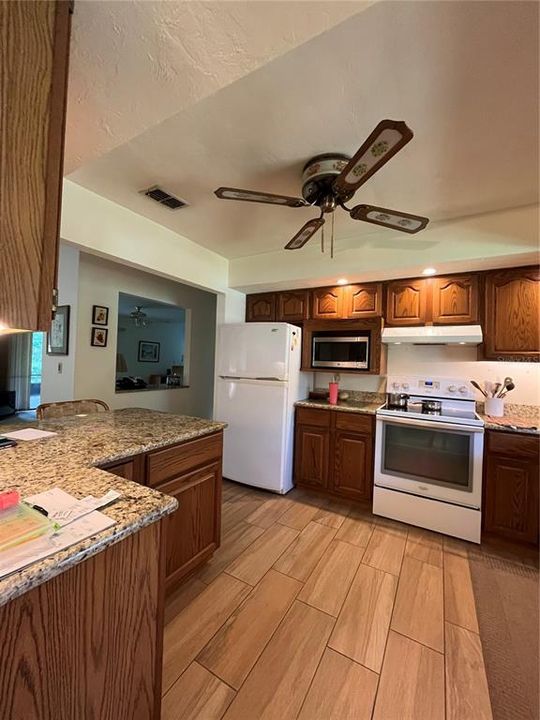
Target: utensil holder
494,407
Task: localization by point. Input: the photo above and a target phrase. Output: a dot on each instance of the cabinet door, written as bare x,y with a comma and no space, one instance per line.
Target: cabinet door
353,465
511,498
363,300
192,532
511,327
311,456
406,302
34,54
327,303
455,300
261,307
292,306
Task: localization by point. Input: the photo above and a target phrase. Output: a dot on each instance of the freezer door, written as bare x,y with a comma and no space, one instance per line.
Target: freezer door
254,350
257,444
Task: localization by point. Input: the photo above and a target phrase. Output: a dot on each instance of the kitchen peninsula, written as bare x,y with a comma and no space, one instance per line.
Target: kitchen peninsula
82,629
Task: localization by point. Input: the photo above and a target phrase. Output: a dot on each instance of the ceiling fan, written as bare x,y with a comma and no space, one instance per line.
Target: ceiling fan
140,318
330,180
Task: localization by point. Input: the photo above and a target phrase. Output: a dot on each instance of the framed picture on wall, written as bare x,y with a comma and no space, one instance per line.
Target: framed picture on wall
148,351
58,335
100,315
99,337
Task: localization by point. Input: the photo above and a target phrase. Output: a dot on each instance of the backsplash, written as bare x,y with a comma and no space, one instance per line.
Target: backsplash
446,361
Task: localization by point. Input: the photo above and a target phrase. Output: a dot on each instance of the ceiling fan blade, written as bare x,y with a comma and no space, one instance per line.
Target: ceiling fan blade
303,235
384,142
389,218
228,193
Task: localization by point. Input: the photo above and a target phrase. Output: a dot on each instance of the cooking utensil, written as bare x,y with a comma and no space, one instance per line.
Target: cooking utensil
509,387
506,382
477,386
496,389
431,406
396,400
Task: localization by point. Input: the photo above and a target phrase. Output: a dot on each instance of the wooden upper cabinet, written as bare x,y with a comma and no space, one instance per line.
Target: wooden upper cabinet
327,303
292,306
406,302
34,52
455,300
261,307
362,301
512,307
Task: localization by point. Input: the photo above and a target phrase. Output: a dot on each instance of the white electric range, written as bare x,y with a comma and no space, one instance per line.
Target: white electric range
428,462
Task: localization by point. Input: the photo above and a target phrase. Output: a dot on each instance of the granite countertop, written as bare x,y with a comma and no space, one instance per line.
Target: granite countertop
523,419
69,461
351,405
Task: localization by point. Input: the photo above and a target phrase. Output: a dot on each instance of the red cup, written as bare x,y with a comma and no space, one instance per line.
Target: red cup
333,389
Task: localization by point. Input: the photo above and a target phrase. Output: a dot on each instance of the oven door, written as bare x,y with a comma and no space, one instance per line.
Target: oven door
431,459
340,352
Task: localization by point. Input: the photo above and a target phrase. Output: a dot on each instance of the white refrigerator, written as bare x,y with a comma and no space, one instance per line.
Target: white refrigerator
258,381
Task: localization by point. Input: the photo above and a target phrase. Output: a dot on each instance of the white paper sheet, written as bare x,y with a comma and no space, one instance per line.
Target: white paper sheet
28,434
27,553
63,508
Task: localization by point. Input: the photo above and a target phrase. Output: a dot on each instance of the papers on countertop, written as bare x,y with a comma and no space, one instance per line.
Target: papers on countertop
78,520
28,434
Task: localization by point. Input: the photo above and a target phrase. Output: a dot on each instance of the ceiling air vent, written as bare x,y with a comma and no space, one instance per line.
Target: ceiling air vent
164,198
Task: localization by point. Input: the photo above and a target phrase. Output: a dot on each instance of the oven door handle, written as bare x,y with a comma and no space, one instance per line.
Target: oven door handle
431,424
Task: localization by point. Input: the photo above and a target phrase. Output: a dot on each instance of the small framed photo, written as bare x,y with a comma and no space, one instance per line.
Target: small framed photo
99,337
58,335
100,315
148,351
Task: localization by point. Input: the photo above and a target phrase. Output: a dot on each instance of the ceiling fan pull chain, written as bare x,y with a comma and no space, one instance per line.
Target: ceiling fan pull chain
332,240
322,239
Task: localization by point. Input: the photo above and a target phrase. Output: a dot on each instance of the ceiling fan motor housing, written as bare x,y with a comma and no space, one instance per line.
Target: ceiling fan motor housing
318,176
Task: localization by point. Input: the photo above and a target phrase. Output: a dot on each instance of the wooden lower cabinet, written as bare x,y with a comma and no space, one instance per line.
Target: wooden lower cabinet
334,452
190,472
192,532
311,460
511,483
352,474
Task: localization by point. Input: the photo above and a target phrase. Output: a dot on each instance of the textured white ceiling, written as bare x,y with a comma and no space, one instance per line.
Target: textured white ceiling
135,63
463,75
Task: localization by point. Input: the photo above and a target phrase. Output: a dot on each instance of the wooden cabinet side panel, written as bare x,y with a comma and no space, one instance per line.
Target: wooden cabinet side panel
85,644
34,43
455,300
512,310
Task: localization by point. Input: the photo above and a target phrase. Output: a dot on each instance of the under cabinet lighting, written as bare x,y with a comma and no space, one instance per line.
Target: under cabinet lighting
429,271
342,281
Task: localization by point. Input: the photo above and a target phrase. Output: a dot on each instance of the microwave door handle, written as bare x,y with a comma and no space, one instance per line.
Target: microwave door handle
431,424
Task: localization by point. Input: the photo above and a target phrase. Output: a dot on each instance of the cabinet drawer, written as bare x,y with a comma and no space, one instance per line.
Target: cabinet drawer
512,444
313,416
354,422
177,460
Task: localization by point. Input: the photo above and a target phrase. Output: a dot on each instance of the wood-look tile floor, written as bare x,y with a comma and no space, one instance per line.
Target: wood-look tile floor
316,610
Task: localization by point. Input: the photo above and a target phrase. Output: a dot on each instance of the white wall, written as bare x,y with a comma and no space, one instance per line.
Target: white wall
100,283
458,362
57,386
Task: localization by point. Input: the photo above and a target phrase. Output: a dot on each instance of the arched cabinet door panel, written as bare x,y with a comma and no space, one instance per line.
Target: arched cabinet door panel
455,300
406,302
261,307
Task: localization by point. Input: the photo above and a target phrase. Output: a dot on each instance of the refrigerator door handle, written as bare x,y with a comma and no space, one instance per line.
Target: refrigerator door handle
239,377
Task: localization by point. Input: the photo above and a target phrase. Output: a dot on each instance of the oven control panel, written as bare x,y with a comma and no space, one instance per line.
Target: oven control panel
431,386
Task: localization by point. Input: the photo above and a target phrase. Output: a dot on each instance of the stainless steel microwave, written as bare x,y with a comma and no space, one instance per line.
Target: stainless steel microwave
340,352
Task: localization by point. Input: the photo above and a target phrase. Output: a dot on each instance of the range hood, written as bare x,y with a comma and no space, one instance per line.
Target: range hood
433,335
